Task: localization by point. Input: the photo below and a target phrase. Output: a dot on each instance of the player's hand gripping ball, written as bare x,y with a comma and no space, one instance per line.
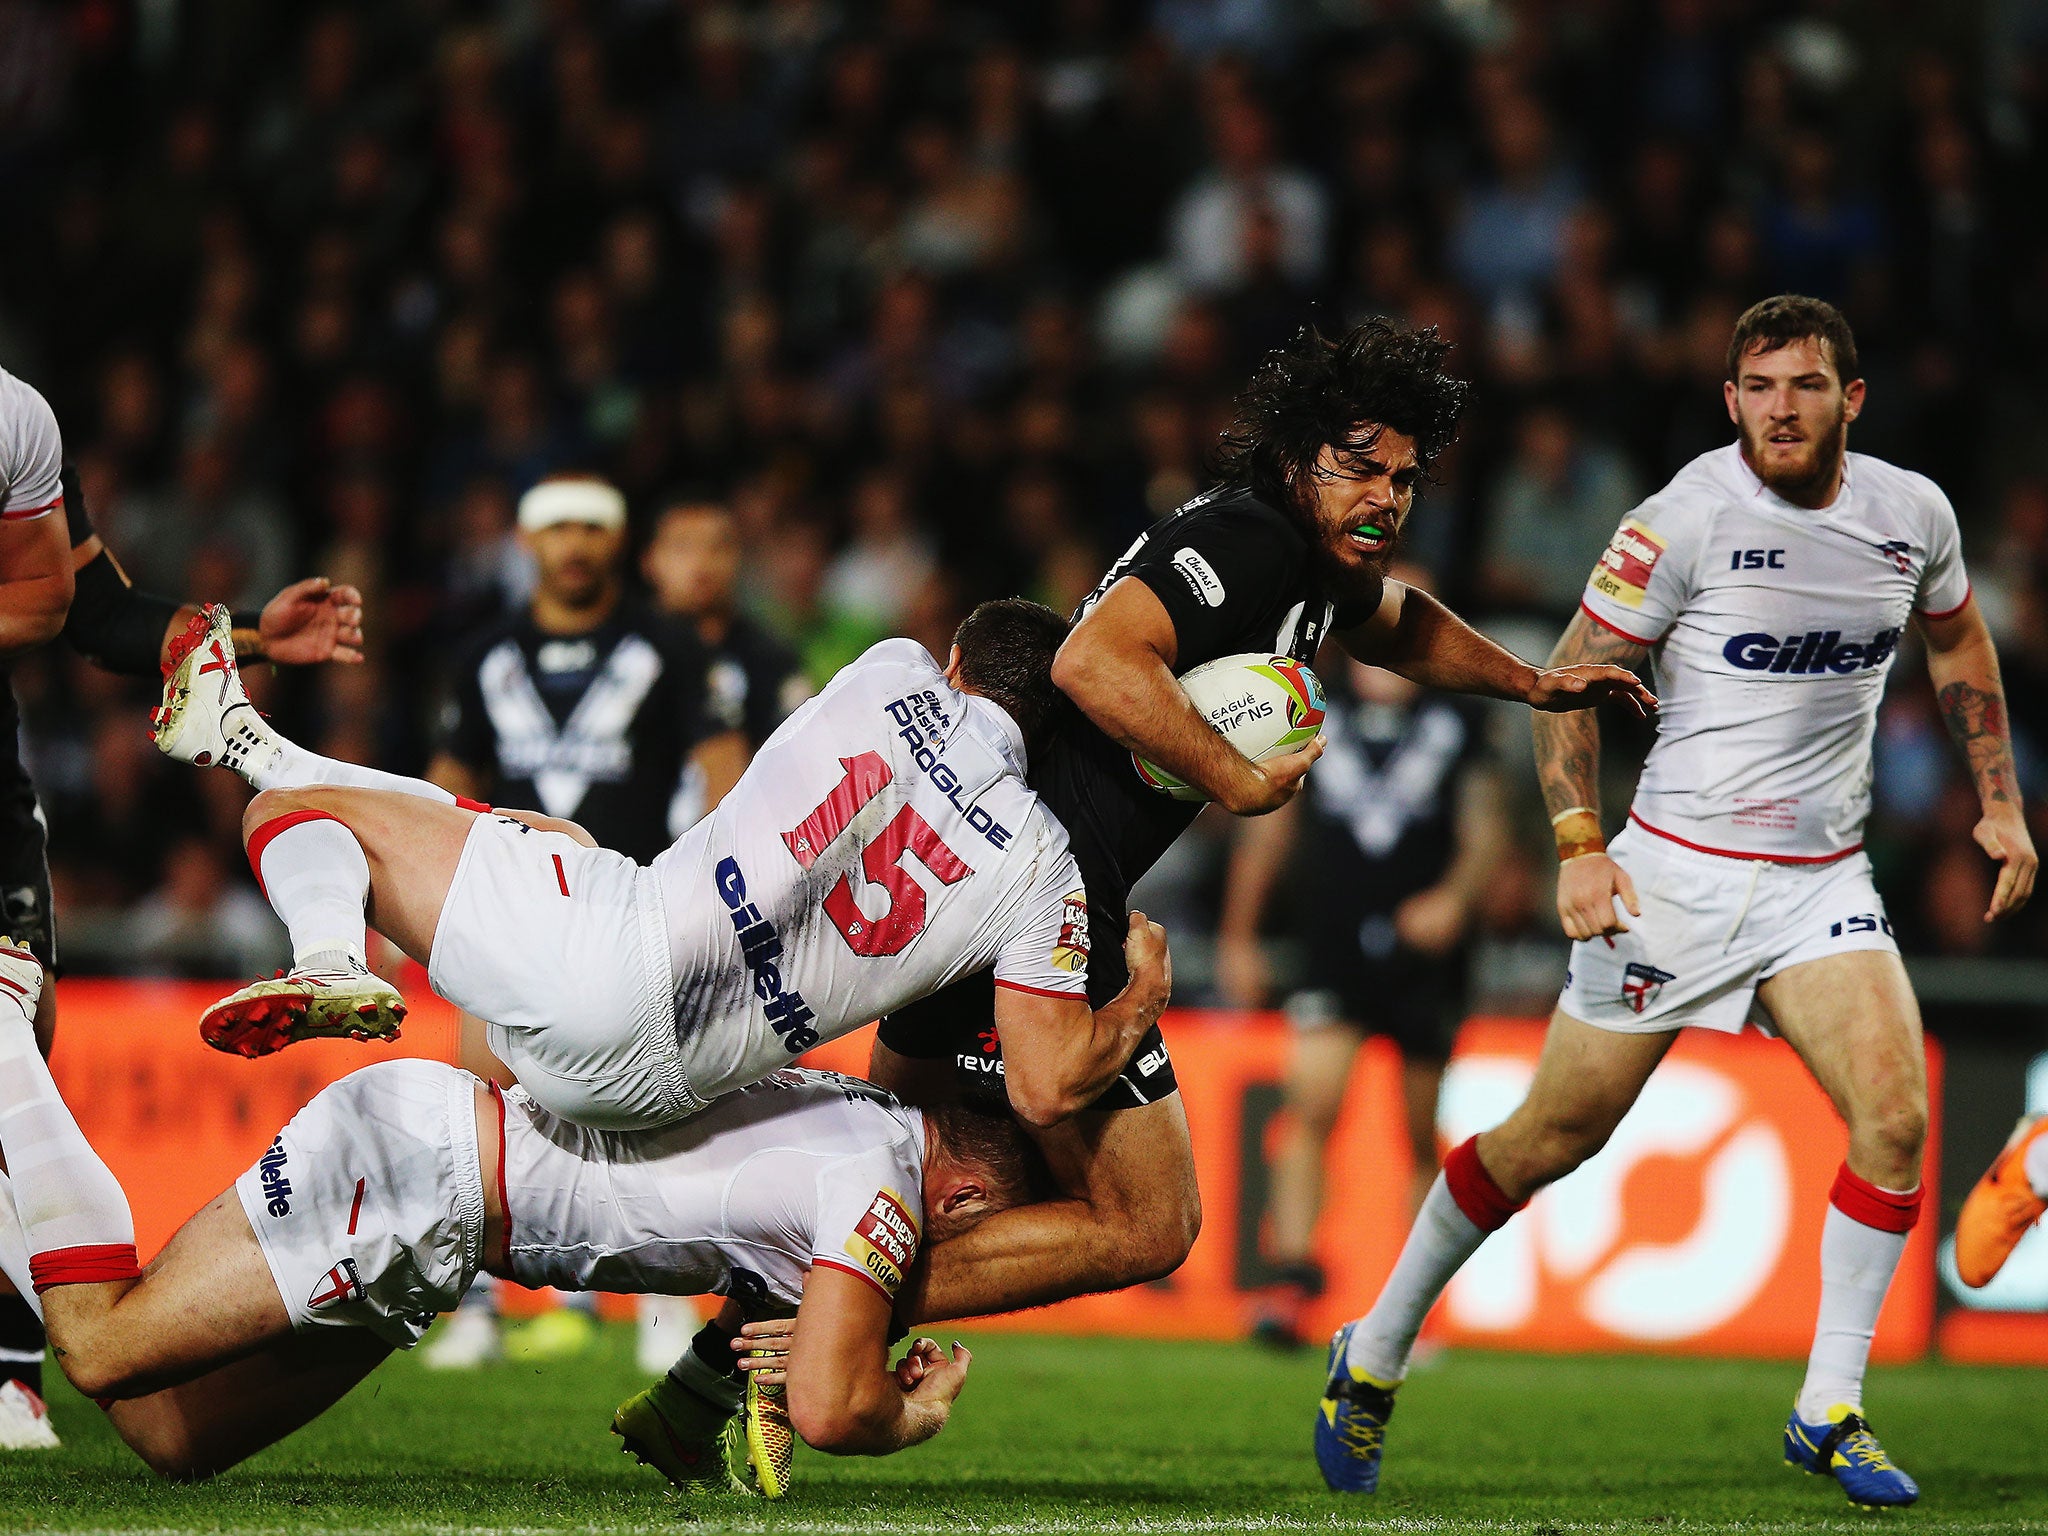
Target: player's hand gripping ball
1262,705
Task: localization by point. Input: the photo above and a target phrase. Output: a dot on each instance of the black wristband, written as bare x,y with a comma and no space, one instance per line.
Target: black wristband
115,625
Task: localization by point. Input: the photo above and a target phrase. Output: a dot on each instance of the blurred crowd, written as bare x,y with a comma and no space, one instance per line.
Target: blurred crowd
947,299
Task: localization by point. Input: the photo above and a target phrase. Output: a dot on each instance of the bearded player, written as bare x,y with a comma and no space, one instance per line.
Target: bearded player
1317,477
1769,584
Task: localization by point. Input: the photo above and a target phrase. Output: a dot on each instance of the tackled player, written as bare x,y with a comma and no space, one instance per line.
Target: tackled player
379,1202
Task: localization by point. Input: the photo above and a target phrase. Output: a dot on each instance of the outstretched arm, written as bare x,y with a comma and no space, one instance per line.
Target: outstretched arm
116,625
1415,635
1964,665
1568,767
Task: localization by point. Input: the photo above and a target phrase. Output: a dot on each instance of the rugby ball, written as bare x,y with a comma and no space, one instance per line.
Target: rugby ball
1262,705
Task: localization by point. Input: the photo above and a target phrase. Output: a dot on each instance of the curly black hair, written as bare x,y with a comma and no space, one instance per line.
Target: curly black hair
1315,390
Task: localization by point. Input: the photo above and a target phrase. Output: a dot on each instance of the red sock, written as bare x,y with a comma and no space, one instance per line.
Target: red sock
1485,1204
1885,1209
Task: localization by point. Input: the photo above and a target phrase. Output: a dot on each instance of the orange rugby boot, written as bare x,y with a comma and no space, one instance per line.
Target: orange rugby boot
2000,1209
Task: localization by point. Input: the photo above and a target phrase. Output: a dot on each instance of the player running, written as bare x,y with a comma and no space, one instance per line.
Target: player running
1770,584
1318,473
376,1206
882,843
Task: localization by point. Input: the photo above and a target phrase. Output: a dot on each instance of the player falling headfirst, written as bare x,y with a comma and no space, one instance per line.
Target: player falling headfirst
382,1199
1770,584
625,995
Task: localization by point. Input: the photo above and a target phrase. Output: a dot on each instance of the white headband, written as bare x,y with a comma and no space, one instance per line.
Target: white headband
571,501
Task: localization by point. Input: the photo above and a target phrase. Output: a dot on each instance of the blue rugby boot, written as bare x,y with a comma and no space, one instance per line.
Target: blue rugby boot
1843,1447
1351,1422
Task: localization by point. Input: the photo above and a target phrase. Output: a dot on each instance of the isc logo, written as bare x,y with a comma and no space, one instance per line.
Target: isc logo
1810,654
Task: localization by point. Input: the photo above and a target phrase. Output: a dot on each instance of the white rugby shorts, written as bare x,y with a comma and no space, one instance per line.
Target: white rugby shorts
563,951
369,1205
1712,928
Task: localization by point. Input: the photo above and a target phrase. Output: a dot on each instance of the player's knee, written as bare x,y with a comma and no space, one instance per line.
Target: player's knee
1895,1131
174,1458
168,1448
1159,1237
95,1372
1315,1110
1546,1151
270,804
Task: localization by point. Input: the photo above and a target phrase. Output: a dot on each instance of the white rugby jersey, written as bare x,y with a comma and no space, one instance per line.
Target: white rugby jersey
881,844
31,453
1772,628
800,1169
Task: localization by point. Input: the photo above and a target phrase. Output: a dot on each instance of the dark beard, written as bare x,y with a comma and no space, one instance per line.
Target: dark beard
1344,582
1827,455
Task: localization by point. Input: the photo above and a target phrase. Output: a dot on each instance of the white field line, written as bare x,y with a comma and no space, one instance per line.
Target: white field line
1403,1525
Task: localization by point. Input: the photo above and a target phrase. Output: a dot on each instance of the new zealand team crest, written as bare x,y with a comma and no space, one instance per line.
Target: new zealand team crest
1640,984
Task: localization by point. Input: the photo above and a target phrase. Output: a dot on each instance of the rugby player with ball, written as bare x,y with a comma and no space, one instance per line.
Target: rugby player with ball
1214,614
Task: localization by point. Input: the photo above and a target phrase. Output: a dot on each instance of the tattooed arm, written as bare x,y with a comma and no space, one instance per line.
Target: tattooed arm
1568,766
1964,665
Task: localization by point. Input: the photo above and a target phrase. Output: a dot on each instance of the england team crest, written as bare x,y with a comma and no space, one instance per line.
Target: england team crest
339,1284
1640,984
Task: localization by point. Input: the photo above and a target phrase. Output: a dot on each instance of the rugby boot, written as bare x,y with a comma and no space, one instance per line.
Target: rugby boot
206,718
24,1420
21,977
679,1434
1843,1447
2001,1208
760,1442
303,1004
1351,1422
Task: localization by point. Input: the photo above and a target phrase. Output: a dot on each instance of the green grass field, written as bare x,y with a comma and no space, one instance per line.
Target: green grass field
1091,1435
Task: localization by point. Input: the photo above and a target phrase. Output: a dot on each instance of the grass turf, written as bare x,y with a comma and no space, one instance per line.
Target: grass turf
1108,1435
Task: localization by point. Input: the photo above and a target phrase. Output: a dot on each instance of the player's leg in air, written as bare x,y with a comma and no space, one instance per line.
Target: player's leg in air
519,917
1586,1080
197,1359
2005,1204
1853,1020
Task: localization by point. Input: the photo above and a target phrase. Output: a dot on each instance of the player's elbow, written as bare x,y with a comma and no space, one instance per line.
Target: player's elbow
840,1421
1076,667
40,612
1039,1098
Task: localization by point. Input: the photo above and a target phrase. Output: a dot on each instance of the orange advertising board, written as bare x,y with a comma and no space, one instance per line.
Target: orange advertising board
1697,1231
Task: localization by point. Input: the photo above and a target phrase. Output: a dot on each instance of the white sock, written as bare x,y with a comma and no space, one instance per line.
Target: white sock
691,1373
73,1216
291,766
314,873
14,1250
1856,1264
2037,1167
1441,1240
